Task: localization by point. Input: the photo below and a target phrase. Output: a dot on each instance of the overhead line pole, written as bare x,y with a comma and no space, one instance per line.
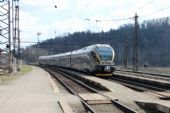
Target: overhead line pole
13,31
135,45
9,38
17,33
126,51
8,32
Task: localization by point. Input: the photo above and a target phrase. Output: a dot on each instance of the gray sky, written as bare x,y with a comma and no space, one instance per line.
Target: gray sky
69,16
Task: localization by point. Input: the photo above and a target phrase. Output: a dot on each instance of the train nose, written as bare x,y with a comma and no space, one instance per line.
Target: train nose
107,69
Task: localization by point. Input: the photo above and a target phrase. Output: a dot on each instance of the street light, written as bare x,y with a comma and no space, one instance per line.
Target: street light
38,34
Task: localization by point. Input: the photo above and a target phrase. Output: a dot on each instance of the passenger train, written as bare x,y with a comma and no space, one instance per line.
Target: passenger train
96,59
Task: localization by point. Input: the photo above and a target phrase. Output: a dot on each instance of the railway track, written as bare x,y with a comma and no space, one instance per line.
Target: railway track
154,88
145,74
79,87
157,82
142,85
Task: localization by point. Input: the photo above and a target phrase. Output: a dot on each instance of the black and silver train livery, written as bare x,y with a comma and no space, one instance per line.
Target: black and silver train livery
97,59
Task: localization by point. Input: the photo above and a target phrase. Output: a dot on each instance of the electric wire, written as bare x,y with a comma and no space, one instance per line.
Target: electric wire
63,15
87,5
155,12
122,19
28,42
147,4
100,20
69,26
138,9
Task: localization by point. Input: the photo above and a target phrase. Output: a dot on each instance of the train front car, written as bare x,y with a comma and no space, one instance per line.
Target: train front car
104,56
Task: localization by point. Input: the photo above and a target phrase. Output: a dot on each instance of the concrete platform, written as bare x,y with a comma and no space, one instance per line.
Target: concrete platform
164,82
160,106
65,107
31,93
94,98
127,95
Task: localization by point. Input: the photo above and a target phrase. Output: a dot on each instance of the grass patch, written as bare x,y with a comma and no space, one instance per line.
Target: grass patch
25,69
6,77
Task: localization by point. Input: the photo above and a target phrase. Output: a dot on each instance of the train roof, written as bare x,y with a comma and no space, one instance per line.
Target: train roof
83,50
89,48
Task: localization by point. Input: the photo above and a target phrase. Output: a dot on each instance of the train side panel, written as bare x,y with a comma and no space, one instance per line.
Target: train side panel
82,62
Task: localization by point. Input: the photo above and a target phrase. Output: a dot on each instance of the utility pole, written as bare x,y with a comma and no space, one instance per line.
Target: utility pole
19,50
126,51
15,33
9,37
135,44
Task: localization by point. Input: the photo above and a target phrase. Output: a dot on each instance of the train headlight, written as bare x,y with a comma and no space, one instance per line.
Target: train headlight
107,69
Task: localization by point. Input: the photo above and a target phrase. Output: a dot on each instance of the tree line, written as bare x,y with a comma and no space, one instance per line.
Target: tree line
154,43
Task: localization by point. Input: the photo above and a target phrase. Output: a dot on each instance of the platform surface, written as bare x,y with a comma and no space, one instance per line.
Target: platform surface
31,93
65,107
126,95
94,98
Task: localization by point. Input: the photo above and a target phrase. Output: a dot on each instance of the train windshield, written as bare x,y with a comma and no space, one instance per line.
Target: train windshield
105,53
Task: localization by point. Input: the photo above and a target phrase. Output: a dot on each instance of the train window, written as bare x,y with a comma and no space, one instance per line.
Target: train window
105,53
84,48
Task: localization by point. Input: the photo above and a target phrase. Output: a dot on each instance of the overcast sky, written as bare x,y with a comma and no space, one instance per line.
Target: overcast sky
69,16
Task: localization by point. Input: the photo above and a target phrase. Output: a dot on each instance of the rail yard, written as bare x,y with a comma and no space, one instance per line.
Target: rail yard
84,56
101,94
77,92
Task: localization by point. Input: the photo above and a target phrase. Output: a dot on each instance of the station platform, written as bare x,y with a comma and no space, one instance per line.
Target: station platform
36,92
130,97
31,93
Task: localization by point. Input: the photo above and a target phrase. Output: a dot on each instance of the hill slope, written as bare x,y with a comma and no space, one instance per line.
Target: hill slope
154,42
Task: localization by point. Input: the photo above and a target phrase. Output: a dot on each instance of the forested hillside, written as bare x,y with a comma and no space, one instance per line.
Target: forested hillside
154,43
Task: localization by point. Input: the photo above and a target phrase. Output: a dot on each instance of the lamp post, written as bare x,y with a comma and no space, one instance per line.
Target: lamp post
38,34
